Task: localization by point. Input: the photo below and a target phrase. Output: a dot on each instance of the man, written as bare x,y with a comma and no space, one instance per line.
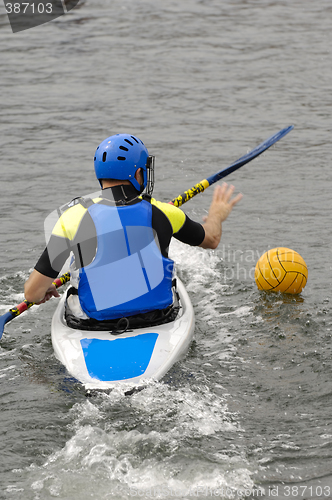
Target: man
120,238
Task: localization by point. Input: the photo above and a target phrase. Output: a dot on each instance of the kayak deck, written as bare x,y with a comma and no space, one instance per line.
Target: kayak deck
102,360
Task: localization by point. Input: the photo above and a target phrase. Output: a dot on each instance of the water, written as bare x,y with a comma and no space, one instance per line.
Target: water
248,411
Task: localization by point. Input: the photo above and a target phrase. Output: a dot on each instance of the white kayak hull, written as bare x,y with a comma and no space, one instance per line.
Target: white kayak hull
102,360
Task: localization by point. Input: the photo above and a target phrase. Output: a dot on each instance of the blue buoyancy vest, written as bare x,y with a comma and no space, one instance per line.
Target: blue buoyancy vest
128,275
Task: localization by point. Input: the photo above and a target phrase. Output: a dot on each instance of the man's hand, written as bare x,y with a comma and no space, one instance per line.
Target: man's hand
39,288
50,292
220,208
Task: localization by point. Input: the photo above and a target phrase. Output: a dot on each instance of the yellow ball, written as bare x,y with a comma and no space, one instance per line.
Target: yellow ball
281,270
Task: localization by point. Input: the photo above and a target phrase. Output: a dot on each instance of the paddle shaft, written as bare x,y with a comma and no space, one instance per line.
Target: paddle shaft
205,183
23,306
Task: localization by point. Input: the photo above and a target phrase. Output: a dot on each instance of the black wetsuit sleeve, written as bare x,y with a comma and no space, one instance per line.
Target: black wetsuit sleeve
192,233
83,246
44,266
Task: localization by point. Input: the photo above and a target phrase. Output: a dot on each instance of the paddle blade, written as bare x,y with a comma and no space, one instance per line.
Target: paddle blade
201,186
3,320
258,150
23,306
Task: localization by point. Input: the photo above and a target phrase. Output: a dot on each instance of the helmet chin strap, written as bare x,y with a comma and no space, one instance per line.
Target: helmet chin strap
123,192
139,186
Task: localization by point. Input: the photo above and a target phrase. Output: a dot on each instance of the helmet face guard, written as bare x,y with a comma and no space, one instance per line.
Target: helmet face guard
150,174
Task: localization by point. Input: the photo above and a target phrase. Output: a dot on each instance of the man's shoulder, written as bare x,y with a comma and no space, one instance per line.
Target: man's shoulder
168,207
79,205
174,214
69,218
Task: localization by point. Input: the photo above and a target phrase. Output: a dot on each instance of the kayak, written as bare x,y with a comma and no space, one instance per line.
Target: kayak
103,360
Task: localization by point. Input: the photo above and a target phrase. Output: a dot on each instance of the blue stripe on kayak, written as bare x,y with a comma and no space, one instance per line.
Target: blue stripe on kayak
118,359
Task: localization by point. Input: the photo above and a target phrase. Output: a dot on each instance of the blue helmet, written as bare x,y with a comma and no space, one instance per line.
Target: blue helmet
119,156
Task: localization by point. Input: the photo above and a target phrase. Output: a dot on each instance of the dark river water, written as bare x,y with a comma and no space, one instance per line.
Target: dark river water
248,412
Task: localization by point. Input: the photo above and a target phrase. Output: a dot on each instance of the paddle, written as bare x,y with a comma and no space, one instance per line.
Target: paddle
205,183
23,306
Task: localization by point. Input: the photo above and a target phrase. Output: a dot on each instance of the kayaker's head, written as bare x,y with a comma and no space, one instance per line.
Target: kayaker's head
124,157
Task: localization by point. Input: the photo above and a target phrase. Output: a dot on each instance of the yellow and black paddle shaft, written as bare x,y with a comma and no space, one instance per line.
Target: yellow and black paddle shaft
23,306
187,195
